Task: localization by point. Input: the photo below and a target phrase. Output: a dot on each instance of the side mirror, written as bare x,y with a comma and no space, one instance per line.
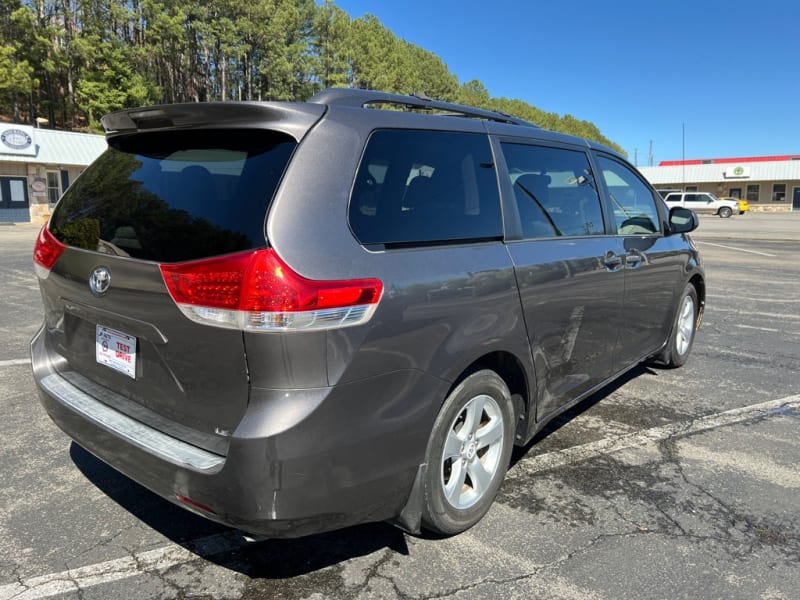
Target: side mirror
682,220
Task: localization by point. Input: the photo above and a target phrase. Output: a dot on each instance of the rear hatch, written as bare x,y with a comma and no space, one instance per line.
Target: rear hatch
176,184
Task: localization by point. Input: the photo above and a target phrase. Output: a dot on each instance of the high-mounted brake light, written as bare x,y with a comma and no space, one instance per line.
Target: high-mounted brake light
46,252
257,291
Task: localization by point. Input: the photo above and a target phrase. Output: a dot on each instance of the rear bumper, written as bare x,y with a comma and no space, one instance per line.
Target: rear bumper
300,461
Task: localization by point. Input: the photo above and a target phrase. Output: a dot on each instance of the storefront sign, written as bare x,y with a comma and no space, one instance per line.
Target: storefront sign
737,172
17,139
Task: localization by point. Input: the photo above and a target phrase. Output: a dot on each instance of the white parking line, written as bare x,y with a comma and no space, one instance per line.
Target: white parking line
608,445
164,558
109,571
763,314
773,299
769,329
734,248
15,362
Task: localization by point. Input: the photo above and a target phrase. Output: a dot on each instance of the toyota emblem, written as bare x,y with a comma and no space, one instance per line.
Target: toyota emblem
100,281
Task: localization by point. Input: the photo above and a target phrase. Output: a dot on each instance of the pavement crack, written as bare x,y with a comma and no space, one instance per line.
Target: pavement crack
755,534
476,584
20,581
374,573
631,491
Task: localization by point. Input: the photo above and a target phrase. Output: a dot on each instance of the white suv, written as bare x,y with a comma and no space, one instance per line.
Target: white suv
703,202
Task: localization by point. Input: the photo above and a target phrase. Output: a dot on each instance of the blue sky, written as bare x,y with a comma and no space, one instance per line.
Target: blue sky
729,70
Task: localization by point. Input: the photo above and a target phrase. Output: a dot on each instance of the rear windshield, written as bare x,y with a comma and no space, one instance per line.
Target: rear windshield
175,196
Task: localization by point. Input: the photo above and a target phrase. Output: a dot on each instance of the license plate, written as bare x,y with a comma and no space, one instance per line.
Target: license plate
116,350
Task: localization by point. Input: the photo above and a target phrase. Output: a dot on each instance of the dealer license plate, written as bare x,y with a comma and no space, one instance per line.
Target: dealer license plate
116,350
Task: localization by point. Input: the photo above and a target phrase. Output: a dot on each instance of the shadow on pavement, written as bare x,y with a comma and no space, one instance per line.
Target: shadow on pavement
581,407
273,559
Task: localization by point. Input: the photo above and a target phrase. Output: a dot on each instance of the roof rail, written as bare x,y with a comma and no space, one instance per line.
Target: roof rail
357,98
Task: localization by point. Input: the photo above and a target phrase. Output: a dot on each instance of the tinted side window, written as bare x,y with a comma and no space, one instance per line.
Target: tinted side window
425,187
632,201
555,191
175,196
695,198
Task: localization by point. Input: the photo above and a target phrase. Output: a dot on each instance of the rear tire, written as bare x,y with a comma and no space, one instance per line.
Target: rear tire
684,328
725,212
468,453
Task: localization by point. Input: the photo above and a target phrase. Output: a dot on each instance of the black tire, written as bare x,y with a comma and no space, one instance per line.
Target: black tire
450,507
725,212
684,327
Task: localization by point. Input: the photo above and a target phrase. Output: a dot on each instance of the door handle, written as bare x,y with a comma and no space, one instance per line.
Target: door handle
613,262
634,259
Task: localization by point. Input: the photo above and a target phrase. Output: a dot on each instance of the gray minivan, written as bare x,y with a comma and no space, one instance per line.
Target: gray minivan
295,317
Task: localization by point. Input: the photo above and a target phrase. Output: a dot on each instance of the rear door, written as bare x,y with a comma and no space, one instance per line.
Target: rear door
112,328
569,270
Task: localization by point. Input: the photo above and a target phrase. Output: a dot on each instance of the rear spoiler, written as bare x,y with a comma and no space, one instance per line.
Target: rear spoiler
294,119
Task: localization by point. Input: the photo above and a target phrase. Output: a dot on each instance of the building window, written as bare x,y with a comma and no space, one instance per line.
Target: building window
691,188
752,193
53,186
778,192
17,189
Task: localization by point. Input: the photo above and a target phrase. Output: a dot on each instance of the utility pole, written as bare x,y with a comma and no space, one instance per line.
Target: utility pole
683,156
650,155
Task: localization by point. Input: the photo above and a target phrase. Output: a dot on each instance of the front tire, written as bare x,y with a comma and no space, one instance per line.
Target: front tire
683,329
725,212
468,453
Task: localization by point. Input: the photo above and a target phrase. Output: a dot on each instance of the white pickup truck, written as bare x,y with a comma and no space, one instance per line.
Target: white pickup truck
703,202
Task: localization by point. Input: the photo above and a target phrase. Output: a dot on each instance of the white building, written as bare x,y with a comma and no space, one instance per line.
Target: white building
37,165
769,183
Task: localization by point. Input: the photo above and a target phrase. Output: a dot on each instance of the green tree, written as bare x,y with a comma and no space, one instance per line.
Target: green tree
474,93
74,60
102,88
430,75
330,46
16,80
285,64
373,55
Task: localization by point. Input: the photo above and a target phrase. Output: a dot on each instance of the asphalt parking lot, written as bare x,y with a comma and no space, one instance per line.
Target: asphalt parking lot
667,484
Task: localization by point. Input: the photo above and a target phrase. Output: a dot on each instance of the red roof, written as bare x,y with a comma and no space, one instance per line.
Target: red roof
711,161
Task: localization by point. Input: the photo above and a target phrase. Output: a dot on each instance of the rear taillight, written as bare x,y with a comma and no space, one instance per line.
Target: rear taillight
46,252
257,291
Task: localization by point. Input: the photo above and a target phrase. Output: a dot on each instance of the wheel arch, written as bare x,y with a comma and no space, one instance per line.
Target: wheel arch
512,372
700,288
521,387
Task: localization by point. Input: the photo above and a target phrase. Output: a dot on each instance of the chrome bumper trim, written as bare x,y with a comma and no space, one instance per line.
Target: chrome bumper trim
143,436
